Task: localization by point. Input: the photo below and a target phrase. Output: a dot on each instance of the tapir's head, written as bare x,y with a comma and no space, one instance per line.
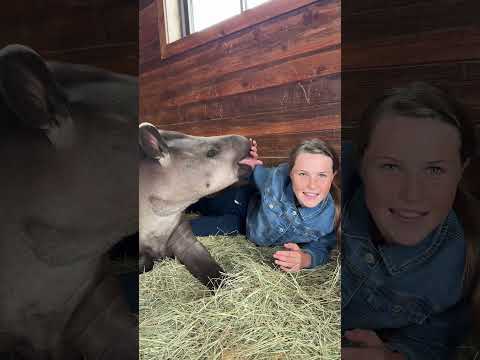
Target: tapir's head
182,168
68,140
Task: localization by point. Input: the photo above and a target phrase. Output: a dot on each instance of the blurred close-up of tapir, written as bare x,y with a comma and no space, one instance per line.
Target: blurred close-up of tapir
69,190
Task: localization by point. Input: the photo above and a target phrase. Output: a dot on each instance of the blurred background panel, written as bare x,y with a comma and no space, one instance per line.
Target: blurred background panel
102,33
392,43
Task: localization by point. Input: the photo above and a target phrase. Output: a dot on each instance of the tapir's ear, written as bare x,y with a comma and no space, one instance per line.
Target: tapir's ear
31,92
152,143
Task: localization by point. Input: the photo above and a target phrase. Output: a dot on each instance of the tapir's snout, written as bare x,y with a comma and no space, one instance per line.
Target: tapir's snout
243,145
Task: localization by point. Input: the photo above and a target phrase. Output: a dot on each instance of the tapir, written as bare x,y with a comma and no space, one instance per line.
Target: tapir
176,170
69,192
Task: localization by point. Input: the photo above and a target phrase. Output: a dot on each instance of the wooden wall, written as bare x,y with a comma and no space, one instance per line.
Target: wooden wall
102,33
277,81
391,43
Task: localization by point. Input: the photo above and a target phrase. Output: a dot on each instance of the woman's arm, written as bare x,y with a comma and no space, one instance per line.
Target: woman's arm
320,250
310,255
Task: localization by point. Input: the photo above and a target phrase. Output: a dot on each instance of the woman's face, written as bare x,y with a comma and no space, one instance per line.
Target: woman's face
411,170
311,176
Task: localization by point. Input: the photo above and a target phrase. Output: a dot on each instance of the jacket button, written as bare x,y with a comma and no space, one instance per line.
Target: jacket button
370,259
294,213
280,229
270,206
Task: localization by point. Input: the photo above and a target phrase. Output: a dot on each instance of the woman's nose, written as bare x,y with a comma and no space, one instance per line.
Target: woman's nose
310,183
411,189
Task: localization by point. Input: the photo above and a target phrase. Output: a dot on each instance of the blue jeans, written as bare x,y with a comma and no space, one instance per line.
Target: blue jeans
224,213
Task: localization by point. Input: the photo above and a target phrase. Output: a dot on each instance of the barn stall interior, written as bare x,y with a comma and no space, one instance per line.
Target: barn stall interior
391,44
272,74
102,34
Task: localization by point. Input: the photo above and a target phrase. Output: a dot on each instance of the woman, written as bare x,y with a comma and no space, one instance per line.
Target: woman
289,205
409,231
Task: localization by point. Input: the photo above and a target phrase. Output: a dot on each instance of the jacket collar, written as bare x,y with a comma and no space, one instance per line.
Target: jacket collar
396,258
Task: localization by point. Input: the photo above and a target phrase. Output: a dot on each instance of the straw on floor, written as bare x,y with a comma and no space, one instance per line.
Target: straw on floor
260,313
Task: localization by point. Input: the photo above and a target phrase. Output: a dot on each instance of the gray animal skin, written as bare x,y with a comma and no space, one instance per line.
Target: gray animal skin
69,191
176,170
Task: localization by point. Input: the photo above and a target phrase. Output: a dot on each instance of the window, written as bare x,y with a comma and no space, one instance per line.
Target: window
186,24
200,14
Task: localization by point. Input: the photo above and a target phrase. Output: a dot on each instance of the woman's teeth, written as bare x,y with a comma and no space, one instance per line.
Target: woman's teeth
310,195
408,214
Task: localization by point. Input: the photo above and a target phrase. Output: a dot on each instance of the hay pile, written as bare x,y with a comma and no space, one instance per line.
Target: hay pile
261,313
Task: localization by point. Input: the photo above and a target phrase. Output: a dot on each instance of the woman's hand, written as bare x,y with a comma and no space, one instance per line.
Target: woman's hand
371,347
292,260
252,160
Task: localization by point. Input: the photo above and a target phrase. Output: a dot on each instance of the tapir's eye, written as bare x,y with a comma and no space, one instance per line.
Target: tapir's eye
212,153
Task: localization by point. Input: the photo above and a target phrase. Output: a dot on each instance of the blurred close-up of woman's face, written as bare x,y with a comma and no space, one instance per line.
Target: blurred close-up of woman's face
411,169
312,177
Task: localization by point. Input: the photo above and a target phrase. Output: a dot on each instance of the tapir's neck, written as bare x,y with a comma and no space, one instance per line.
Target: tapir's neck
166,207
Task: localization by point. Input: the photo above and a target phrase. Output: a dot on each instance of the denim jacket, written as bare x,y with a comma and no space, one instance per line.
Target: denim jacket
409,295
274,219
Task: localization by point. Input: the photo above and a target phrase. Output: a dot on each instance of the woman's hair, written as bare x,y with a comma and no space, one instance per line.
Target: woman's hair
317,146
421,100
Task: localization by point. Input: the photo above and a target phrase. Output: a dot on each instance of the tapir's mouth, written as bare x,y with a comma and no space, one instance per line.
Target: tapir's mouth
244,162
244,170
244,167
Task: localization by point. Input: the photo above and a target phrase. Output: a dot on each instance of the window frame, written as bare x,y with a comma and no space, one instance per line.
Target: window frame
229,26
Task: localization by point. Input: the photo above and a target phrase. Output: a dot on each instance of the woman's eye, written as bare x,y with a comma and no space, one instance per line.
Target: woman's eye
212,153
389,167
301,174
435,170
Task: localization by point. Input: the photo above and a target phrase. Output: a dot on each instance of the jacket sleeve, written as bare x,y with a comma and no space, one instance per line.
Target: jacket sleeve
320,250
260,176
435,339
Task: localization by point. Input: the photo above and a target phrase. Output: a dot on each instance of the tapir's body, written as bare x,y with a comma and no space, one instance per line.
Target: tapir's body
69,190
176,170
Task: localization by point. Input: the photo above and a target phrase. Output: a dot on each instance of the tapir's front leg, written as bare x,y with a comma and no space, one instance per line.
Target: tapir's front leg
102,327
196,258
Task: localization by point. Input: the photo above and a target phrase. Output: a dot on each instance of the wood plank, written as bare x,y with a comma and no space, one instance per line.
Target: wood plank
282,39
245,126
162,31
304,97
462,44
69,24
119,18
461,79
409,32
304,68
122,59
102,33
386,21
350,8
245,20
280,146
149,48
